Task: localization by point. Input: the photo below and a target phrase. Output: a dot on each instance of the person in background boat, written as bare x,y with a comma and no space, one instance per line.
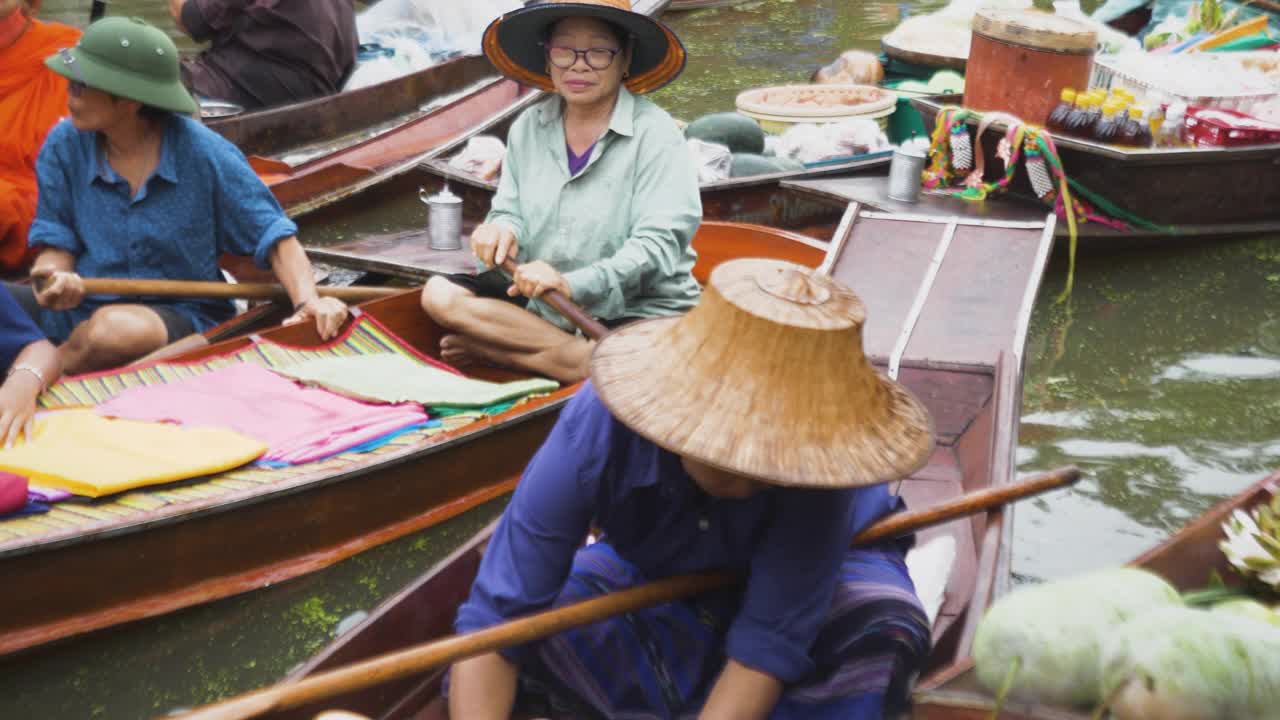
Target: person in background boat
598,197
668,453
132,187
32,99
268,52
29,362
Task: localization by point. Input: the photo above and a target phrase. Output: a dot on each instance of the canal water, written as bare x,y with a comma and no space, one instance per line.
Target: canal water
1160,377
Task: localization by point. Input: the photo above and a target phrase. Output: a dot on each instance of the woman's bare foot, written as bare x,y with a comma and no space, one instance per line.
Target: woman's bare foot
460,351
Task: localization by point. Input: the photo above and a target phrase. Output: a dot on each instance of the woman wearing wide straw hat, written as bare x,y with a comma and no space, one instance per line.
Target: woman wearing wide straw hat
132,187
750,434
598,197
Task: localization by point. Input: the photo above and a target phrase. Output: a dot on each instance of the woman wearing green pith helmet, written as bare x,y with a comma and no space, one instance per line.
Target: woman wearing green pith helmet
132,187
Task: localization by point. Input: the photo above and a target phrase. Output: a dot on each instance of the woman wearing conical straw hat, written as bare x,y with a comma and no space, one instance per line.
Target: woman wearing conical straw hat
750,434
133,187
598,197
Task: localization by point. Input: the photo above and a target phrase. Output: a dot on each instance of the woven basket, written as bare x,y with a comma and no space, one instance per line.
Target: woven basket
768,106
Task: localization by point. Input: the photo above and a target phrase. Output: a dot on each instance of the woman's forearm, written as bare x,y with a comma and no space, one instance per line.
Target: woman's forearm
292,268
43,356
55,259
741,693
483,688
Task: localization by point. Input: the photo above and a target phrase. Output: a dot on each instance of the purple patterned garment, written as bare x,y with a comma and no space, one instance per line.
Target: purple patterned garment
662,661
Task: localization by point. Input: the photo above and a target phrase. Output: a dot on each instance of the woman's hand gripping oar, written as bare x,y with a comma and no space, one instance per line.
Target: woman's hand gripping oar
435,654
590,327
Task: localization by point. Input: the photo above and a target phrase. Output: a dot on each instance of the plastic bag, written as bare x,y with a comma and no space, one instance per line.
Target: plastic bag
713,160
808,142
459,24
482,156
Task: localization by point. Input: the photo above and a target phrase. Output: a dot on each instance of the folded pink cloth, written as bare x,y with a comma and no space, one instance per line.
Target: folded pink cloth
13,492
299,424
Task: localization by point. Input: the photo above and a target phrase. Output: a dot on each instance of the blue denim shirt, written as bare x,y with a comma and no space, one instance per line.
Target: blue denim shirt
593,470
203,200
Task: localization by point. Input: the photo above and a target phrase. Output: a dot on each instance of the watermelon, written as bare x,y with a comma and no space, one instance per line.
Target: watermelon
747,164
738,132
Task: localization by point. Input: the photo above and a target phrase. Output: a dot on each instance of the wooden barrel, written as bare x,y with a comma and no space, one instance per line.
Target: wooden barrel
1020,60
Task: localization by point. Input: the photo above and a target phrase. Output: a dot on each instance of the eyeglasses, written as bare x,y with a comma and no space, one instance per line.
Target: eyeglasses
596,58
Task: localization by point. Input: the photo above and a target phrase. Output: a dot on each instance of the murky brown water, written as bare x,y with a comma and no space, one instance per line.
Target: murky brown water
1160,377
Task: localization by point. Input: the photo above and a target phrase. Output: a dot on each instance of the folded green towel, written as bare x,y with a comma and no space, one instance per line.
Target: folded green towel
395,378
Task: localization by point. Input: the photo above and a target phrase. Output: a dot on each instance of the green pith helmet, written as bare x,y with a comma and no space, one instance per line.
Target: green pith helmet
128,58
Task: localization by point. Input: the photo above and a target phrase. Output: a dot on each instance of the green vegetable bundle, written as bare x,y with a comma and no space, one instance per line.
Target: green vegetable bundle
1178,663
1042,643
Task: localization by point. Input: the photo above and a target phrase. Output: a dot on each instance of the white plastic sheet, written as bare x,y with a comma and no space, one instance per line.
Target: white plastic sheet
420,33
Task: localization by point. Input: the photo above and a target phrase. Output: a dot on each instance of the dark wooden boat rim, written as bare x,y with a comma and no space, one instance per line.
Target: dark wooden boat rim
1150,156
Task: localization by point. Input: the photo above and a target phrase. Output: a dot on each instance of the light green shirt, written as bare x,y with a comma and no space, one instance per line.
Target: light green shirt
619,231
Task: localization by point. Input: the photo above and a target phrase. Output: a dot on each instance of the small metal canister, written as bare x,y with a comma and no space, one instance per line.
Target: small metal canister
444,219
906,170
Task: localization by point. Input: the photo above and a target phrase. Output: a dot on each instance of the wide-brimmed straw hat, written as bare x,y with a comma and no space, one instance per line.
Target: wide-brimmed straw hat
128,58
766,378
513,42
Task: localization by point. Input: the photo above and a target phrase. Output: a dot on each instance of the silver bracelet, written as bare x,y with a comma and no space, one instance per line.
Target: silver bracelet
34,371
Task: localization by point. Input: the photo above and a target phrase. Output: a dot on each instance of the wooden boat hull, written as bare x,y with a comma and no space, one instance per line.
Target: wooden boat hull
975,399
1201,192
1186,560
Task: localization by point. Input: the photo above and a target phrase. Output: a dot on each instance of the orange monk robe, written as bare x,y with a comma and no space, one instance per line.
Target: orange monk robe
32,99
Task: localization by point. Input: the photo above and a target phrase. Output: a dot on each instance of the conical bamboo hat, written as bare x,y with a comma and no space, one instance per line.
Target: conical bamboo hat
766,378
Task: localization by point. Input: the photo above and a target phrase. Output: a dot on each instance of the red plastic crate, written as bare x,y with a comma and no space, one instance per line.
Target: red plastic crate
1217,127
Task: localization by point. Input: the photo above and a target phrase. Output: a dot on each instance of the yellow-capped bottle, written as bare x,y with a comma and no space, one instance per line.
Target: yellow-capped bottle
1108,127
1057,121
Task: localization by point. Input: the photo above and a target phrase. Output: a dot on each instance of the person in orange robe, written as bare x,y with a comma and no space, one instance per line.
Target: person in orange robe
32,100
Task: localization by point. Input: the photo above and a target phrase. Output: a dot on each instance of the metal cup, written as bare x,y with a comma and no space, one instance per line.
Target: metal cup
905,174
444,219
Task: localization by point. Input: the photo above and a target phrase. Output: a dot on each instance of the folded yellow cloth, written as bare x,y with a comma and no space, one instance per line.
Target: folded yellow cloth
78,451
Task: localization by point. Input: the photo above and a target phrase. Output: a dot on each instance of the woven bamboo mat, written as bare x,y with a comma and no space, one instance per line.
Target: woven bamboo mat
364,337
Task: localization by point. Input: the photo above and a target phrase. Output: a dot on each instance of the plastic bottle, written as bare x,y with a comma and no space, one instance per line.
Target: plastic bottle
1155,119
1078,121
1134,131
1171,131
1057,121
1107,130
1092,116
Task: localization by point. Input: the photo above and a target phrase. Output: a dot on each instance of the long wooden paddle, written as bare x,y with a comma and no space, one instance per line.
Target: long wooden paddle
208,289
590,327
427,656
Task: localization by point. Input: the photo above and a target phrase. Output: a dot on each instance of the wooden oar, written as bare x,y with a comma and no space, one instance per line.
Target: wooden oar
416,660
207,289
590,327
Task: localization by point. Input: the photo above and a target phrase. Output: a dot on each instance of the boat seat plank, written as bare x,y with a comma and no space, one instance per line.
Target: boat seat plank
975,306
406,254
873,193
954,398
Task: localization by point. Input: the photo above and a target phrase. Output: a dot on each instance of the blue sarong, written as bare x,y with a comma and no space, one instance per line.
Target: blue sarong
662,662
